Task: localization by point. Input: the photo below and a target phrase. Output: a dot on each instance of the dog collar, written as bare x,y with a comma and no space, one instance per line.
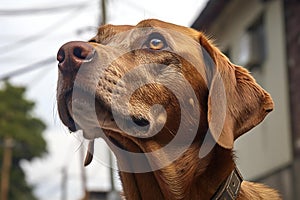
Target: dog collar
230,188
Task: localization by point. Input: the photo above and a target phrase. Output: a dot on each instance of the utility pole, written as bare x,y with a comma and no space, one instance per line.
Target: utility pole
112,182
6,167
64,178
112,195
103,12
83,174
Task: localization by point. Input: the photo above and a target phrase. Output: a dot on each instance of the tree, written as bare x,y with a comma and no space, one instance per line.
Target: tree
20,138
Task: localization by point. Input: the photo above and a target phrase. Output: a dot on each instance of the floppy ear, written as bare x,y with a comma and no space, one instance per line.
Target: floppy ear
236,103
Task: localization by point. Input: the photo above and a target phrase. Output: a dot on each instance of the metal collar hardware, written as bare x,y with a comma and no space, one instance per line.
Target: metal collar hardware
230,188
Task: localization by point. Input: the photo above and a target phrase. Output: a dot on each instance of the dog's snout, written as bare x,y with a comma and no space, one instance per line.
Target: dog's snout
73,54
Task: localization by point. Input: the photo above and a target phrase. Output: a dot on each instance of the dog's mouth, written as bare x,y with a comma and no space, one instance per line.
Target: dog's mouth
80,110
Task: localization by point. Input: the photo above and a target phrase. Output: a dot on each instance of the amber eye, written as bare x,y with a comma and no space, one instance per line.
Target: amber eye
156,44
156,41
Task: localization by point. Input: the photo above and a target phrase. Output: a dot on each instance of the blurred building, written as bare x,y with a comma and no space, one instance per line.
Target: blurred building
264,36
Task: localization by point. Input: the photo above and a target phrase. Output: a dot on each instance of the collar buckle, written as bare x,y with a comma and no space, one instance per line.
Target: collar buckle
230,189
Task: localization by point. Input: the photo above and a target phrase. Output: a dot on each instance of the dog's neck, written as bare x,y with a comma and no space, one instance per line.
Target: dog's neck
187,178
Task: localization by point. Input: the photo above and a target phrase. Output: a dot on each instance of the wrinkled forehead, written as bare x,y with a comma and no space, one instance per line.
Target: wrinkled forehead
108,31
127,33
188,32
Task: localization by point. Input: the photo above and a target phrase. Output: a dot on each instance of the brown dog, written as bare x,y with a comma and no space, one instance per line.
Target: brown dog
168,103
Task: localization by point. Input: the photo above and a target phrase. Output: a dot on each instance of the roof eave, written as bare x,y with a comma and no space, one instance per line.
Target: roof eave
209,14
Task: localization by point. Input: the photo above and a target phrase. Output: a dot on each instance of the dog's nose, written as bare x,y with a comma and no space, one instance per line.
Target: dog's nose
73,54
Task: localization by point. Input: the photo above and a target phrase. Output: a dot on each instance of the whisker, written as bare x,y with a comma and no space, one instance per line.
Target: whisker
80,146
173,134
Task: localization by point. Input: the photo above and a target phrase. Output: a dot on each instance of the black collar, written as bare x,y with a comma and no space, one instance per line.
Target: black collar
230,188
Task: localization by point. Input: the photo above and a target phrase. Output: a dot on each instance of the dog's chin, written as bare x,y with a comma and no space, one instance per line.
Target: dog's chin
115,142
120,141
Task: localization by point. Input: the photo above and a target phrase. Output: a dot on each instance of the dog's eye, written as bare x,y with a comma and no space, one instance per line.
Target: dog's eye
156,42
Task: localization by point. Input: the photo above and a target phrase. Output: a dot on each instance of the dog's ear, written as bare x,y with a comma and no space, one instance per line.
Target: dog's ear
236,103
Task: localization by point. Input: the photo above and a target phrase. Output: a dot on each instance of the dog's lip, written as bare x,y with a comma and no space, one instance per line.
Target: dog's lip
64,111
66,107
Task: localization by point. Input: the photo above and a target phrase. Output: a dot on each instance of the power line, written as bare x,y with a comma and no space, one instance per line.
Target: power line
33,11
37,78
139,8
27,40
29,68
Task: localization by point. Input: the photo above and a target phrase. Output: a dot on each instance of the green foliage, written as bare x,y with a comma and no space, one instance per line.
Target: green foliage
17,122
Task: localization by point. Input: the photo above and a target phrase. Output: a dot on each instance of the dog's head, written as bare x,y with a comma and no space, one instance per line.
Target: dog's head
142,86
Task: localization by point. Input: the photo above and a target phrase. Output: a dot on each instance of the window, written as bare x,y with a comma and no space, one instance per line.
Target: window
253,46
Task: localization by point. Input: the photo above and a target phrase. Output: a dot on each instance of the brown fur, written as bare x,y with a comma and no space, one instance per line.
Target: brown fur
188,177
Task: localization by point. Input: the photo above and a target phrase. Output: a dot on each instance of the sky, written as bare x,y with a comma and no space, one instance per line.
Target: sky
28,38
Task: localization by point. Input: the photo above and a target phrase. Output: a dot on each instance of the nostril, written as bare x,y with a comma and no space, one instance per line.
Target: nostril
85,53
78,52
140,121
60,56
